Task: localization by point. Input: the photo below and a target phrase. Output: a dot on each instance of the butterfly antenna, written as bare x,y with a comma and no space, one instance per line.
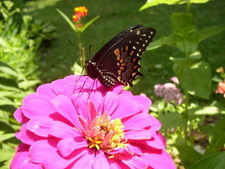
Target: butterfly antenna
82,87
92,86
77,47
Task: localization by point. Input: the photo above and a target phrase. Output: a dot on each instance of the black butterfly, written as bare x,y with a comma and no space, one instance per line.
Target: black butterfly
118,60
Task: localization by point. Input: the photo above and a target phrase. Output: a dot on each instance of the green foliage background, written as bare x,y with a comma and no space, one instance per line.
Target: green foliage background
35,48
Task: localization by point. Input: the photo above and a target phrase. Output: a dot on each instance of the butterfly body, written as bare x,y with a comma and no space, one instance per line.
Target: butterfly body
118,60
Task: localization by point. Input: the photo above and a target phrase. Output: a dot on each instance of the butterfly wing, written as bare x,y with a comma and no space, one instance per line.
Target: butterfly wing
119,58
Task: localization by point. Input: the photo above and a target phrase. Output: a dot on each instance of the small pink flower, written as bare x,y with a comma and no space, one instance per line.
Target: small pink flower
221,88
169,92
174,79
76,123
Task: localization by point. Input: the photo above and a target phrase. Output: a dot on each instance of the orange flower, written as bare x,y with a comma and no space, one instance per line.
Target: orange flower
81,11
220,70
76,18
221,88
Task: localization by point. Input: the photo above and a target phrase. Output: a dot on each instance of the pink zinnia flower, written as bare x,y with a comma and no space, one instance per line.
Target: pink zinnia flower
77,123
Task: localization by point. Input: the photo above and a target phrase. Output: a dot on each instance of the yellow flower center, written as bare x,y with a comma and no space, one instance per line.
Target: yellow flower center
106,134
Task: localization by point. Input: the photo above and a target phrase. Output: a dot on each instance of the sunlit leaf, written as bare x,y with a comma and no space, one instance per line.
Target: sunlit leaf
6,136
194,76
171,120
67,20
5,68
89,23
212,161
209,32
151,3
188,155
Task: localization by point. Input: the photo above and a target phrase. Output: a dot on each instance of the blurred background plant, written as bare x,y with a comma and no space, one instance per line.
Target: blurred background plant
190,135
21,38
35,48
78,27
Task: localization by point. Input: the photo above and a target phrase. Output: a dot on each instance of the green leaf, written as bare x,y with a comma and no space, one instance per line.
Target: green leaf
213,161
198,1
216,135
183,23
151,3
8,152
209,32
183,27
167,40
194,76
5,101
187,44
89,23
5,68
188,155
6,136
171,120
67,20
28,83
207,110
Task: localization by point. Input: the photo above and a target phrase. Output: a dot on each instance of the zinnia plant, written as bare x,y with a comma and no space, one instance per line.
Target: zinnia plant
77,123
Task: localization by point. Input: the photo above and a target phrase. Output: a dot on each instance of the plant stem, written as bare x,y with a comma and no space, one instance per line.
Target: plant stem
186,116
81,52
188,7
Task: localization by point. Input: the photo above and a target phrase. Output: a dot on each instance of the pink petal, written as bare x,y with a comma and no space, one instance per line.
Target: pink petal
62,130
69,145
21,159
46,89
100,161
159,161
134,149
40,150
37,106
18,115
157,142
138,134
127,107
92,112
155,124
115,164
40,125
138,121
135,162
144,101
66,108
27,136
83,124
56,161
111,103
80,103
85,160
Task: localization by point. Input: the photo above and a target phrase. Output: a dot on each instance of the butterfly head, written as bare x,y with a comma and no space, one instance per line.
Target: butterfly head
92,69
